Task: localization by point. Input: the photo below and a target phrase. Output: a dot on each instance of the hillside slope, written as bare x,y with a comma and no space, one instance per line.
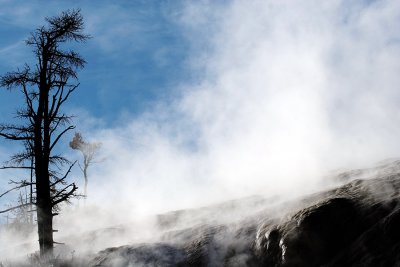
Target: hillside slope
356,224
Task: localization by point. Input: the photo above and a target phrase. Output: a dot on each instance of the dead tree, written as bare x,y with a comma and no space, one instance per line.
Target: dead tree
89,151
22,219
45,87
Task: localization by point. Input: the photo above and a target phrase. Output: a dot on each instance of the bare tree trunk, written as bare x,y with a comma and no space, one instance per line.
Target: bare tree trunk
45,231
42,152
31,195
44,216
85,175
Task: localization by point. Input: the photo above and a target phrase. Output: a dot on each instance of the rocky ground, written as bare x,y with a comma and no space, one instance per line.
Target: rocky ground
356,224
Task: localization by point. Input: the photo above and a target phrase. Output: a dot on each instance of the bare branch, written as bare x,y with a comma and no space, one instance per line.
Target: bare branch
62,99
14,188
16,167
15,137
60,180
16,207
60,135
64,196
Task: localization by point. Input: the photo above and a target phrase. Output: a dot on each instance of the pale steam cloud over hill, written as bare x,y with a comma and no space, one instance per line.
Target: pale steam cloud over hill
286,91
279,94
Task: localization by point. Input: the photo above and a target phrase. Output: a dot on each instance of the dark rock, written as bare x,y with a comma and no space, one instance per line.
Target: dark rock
356,224
379,246
313,235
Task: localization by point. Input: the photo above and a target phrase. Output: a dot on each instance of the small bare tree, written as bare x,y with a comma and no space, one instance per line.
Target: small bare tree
45,87
22,219
89,151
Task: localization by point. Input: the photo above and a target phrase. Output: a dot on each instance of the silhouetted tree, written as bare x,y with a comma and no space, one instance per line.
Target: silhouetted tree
89,151
45,87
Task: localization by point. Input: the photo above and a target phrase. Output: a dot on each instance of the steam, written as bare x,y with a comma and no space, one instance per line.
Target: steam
282,93
285,93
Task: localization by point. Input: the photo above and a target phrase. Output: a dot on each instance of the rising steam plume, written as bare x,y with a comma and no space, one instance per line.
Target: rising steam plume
282,93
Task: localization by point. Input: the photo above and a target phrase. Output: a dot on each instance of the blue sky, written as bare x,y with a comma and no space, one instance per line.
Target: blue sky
137,54
194,98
